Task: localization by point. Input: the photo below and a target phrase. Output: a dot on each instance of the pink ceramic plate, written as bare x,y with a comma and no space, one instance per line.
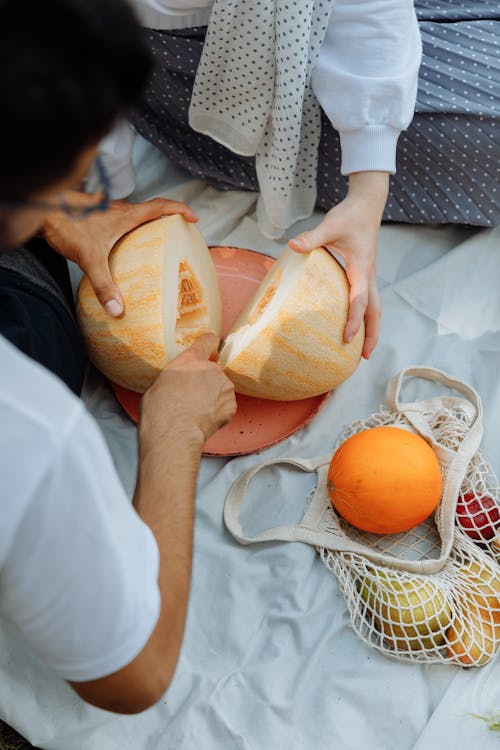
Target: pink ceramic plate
258,423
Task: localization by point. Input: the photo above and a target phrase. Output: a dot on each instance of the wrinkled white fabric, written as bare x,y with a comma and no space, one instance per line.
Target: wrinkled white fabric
269,659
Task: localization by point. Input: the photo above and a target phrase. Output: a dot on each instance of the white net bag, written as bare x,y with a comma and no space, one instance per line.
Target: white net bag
430,594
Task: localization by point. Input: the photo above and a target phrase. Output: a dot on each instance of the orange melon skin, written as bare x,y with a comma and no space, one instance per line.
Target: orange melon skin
384,480
301,352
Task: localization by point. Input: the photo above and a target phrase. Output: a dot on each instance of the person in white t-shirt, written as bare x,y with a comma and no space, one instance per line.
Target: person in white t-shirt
97,586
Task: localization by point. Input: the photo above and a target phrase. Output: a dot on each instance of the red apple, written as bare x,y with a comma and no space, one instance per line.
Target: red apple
477,516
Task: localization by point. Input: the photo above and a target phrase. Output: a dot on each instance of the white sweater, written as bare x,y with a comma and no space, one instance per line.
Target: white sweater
365,79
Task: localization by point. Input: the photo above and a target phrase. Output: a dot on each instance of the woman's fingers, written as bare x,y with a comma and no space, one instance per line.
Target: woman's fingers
157,207
358,300
325,234
373,316
364,303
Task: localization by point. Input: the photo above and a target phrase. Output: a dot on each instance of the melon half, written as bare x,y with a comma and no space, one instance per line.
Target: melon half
287,344
169,284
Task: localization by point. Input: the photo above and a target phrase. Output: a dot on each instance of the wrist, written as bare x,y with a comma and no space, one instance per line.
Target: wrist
54,222
370,187
176,438
369,183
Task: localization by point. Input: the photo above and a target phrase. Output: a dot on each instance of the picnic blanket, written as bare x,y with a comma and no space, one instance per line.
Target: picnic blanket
269,660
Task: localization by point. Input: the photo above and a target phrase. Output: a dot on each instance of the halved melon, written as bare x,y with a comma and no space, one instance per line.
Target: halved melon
287,344
169,283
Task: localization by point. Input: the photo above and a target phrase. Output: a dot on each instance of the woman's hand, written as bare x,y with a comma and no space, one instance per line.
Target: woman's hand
88,241
350,229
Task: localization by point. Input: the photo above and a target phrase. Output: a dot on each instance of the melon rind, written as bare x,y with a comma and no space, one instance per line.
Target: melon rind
294,349
132,350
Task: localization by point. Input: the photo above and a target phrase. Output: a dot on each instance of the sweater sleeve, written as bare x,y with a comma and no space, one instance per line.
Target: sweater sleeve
115,151
172,14
366,79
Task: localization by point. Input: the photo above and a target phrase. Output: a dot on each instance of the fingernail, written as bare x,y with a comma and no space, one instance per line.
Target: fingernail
299,244
113,308
349,337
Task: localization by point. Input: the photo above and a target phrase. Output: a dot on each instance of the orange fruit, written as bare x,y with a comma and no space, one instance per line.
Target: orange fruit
473,641
384,480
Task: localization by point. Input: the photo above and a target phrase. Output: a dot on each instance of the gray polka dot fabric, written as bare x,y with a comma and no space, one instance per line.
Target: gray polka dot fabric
252,93
448,161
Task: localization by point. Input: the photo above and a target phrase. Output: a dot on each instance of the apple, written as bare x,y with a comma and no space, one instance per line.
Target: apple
482,582
413,614
478,517
473,641
496,543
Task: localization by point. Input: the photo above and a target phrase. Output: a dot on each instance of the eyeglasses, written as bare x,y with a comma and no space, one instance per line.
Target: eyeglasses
74,211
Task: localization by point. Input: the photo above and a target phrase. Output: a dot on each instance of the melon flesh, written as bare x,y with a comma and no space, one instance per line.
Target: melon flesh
287,344
169,284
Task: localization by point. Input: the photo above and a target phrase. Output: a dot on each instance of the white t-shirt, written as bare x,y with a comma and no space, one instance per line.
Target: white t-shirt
78,567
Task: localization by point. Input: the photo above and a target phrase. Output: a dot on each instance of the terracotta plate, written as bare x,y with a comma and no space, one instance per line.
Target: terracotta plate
258,423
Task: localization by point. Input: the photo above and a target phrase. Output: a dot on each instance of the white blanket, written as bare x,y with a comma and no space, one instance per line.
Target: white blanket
269,660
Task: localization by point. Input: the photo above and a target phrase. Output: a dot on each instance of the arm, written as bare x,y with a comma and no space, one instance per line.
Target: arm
164,499
101,597
187,403
366,80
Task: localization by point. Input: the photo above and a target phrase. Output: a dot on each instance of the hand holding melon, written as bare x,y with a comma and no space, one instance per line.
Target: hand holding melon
169,284
286,345
351,230
89,241
190,397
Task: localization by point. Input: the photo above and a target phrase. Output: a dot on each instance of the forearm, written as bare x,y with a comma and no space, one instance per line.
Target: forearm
164,499
187,403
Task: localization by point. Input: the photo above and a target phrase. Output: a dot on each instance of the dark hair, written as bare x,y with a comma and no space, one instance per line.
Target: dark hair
68,69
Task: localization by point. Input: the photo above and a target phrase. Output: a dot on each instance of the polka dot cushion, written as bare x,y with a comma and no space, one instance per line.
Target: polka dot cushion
448,161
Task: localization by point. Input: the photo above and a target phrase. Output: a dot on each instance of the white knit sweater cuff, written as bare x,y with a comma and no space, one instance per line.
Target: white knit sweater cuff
369,149
122,181
155,19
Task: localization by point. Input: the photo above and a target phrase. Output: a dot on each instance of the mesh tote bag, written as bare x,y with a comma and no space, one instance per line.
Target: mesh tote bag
430,594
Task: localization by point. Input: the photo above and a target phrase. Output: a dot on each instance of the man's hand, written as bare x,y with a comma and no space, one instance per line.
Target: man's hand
191,396
88,241
351,230
186,404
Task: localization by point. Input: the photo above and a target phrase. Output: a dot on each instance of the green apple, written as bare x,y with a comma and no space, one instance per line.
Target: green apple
412,614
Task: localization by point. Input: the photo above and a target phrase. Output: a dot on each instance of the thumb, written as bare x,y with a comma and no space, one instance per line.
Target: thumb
205,345
323,234
106,290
